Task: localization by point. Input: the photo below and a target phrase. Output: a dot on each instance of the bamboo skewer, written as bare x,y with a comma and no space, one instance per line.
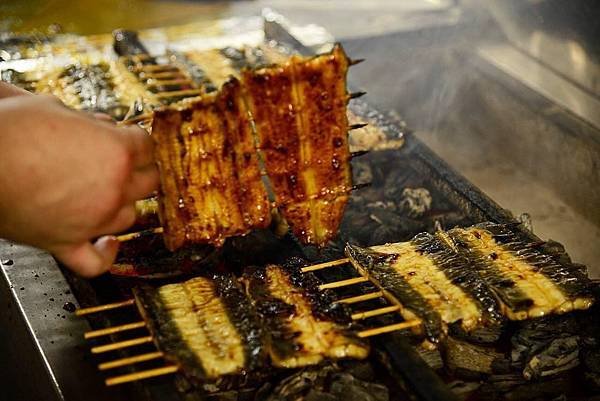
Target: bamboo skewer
185,92
325,265
389,328
121,344
375,312
114,329
360,298
102,308
136,119
156,68
162,75
138,234
145,374
117,363
343,283
176,81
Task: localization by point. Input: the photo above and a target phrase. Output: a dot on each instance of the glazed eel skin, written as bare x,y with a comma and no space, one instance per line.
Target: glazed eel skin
299,109
211,184
475,277
289,119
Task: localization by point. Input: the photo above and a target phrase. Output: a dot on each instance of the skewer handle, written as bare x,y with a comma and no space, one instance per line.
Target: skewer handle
117,363
146,374
113,330
324,265
343,283
360,298
375,312
138,234
103,308
389,328
121,344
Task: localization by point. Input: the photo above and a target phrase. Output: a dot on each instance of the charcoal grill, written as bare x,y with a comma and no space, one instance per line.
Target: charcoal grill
46,341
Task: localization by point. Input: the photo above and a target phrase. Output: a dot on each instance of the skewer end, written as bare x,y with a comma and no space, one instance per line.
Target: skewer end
358,153
355,95
360,186
355,61
357,126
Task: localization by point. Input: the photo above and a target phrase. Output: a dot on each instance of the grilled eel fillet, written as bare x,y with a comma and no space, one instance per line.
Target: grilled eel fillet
304,324
212,328
209,164
206,327
299,109
211,184
475,276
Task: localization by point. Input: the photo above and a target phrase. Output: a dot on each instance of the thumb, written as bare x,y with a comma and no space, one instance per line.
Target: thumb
89,260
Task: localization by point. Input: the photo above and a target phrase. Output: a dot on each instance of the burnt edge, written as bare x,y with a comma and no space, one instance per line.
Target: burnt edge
242,314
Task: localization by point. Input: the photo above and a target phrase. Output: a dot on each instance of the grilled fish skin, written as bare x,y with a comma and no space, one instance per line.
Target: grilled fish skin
516,276
378,266
303,323
453,266
478,276
207,327
299,110
211,187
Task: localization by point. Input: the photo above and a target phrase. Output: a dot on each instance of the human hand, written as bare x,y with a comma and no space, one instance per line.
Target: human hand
66,178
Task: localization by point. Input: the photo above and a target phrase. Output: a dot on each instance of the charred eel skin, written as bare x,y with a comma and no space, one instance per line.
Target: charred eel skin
303,323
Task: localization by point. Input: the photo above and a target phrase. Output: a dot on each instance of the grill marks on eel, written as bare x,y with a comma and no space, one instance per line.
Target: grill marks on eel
210,177
305,145
209,162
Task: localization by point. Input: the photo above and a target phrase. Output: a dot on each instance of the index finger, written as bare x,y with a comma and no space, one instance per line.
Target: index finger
140,144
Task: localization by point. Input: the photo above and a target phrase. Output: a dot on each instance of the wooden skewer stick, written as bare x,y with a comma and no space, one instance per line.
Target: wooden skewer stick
324,265
360,298
138,234
136,119
343,283
145,56
113,330
375,312
162,75
355,95
156,67
357,126
117,363
358,153
102,308
121,344
389,328
355,61
177,81
186,92
165,370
